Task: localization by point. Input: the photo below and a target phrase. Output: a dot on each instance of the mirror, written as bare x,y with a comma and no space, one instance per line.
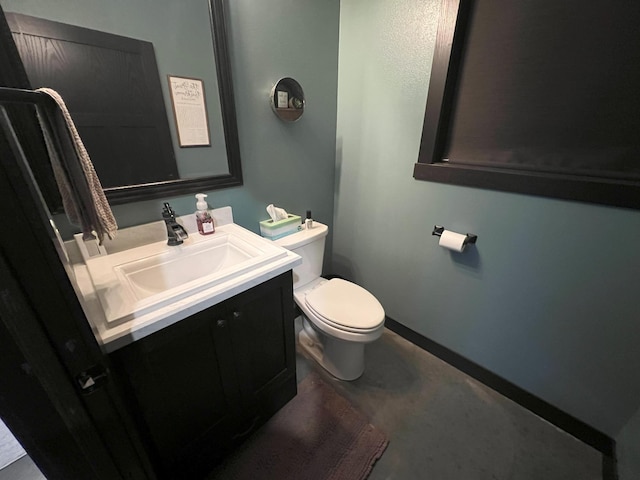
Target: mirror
287,99
188,41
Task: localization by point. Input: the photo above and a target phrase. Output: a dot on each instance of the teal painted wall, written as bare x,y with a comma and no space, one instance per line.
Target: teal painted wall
549,297
290,165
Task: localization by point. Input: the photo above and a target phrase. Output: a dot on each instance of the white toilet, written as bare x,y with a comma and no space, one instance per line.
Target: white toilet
339,317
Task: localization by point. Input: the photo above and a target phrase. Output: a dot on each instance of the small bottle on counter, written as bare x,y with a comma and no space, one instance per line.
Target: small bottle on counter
308,223
203,217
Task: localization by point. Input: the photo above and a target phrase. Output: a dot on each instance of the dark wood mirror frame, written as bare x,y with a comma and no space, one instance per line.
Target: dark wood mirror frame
432,165
15,76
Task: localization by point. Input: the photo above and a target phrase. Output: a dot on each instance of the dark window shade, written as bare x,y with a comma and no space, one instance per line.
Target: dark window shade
536,96
550,85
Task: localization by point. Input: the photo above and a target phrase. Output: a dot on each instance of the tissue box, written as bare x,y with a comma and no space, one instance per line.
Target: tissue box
274,230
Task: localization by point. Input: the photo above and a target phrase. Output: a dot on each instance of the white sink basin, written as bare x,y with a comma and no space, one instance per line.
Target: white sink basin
179,267
134,282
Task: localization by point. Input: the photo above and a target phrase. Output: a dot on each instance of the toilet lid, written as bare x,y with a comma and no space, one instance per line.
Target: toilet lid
346,304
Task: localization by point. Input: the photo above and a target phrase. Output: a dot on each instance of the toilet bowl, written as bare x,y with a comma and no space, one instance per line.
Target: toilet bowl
338,317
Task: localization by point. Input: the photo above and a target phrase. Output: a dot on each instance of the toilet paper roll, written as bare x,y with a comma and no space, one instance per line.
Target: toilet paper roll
453,241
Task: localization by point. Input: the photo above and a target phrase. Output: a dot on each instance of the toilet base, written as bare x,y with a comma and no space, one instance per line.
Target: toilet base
344,360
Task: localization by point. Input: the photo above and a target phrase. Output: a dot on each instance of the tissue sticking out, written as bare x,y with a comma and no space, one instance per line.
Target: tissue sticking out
280,224
276,213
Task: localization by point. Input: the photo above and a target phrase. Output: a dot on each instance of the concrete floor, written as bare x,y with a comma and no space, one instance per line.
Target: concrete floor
444,425
21,469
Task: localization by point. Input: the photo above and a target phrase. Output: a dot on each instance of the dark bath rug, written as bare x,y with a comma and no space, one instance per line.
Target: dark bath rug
318,435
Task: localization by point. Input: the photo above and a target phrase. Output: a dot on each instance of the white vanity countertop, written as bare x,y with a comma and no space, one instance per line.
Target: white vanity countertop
116,336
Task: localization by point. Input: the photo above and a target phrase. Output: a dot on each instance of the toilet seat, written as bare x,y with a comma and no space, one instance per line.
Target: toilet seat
345,306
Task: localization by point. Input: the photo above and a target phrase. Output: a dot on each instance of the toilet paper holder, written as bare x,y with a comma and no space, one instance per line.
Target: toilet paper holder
437,231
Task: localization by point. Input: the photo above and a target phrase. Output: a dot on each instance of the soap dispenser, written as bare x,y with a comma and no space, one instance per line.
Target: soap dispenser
203,217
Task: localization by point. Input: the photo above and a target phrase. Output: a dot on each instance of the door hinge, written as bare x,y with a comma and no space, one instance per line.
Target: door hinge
92,378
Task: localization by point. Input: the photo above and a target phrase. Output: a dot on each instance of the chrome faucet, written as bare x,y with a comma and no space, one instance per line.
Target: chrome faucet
176,233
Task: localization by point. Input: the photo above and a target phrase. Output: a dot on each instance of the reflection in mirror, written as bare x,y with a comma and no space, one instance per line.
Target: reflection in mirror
187,42
287,99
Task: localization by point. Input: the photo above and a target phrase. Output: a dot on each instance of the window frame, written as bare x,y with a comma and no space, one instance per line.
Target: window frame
431,165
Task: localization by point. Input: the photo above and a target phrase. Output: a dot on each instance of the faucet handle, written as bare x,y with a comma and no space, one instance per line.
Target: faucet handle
167,211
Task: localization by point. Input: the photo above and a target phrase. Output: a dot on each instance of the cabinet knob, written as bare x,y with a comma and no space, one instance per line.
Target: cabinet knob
221,323
237,315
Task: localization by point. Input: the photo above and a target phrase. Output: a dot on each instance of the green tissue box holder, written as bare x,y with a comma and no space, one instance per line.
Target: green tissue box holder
280,228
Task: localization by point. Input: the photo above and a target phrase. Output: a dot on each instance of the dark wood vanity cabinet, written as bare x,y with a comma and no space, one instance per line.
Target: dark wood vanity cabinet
201,386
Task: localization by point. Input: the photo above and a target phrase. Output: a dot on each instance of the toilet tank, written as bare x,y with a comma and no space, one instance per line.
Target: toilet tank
309,244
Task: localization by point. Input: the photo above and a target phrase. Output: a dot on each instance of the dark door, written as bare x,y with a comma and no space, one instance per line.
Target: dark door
48,348
41,405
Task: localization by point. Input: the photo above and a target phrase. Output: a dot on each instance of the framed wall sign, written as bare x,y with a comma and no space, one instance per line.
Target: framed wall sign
189,111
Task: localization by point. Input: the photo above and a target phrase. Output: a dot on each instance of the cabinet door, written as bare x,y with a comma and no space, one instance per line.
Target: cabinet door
203,385
184,389
264,346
